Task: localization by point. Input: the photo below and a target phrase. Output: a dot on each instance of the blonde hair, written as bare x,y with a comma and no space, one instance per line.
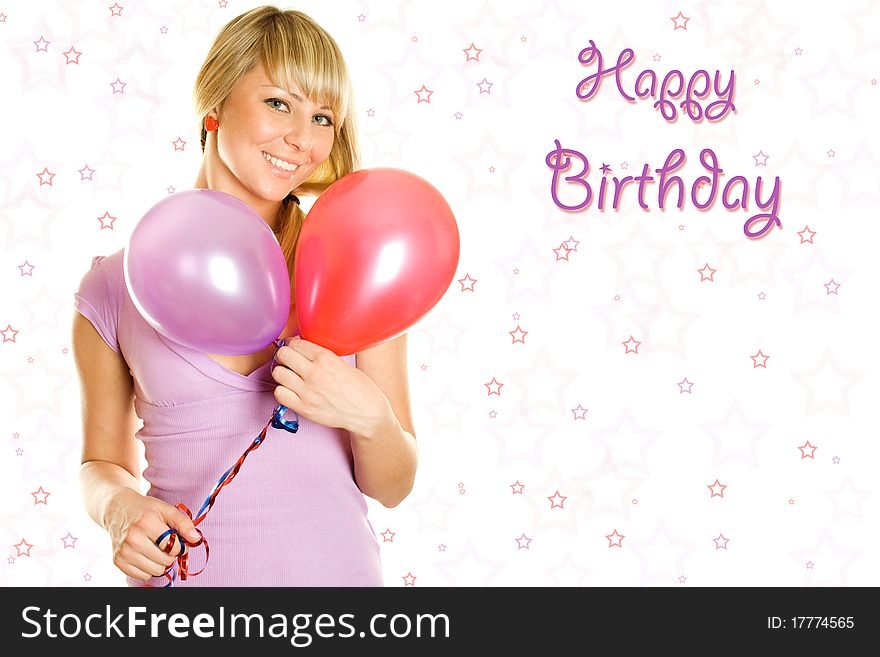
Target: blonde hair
295,51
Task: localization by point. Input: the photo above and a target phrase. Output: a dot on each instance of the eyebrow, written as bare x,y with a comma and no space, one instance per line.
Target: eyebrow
290,93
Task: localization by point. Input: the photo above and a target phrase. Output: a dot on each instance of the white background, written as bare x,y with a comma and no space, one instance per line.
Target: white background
641,459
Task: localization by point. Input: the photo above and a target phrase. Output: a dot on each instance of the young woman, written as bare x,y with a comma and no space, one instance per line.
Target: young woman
274,102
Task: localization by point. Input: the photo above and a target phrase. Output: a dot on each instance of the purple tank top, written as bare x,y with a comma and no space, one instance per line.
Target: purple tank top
293,516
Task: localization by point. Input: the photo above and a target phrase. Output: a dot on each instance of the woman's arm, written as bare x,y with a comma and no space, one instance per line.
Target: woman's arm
387,456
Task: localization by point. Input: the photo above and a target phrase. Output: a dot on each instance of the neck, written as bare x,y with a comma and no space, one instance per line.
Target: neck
214,175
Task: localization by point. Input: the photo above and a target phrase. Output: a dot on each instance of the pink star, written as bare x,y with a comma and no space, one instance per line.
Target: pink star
492,414
70,538
762,157
409,579
518,335
222,4
72,56
798,51
4,331
809,232
557,500
23,552
29,266
830,152
717,489
807,447
361,18
719,540
762,296
87,577
107,216
163,30
831,287
571,244
42,45
86,173
388,536
810,565
677,19
45,172
473,53
488,85
498,385
458,116
681,384
40,493
178,144
423,99
517,488
628,343
19,451
441,548
515,317
558,251
580,413
116,10
519,542
615,539
371,112
836,460
2,18
682,579
703,271
761,357
118,86
469,287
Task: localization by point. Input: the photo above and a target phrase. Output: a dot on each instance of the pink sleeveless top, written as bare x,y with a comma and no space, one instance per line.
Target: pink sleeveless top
293,516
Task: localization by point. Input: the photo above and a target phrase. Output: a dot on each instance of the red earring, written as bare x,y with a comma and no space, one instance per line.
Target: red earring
211,123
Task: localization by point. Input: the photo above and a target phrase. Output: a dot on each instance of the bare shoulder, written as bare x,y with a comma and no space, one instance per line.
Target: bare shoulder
386,365
109,421
382,356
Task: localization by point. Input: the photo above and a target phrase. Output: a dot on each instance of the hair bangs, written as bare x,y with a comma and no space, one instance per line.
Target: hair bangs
308,62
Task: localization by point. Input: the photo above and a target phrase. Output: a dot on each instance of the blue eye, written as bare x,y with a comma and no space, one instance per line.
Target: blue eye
276,100
324,116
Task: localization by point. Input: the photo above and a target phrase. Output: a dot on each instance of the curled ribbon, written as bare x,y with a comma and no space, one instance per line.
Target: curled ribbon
277,421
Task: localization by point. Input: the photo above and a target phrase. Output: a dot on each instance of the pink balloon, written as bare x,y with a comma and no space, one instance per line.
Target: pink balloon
205,270
377,251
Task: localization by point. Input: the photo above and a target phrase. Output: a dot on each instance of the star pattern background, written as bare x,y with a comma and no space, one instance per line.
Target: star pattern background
623,398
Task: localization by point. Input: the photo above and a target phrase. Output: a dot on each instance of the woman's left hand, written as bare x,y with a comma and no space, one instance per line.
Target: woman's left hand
319,385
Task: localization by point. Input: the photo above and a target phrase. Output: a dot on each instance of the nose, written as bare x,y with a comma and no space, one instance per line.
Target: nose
300,135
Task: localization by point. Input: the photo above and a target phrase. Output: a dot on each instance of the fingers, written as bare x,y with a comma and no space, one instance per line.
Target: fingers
181,522
139,557
288,378
296,355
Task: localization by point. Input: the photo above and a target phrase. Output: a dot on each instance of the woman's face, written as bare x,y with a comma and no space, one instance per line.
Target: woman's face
270,139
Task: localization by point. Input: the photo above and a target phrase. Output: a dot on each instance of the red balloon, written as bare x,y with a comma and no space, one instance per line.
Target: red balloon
376,252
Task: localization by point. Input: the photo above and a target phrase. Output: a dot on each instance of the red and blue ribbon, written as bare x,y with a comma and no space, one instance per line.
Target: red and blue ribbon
182,561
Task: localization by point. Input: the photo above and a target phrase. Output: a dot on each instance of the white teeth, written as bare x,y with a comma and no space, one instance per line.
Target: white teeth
281,164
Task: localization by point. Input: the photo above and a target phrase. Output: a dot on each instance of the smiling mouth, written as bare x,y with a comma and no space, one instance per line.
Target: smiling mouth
279,163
